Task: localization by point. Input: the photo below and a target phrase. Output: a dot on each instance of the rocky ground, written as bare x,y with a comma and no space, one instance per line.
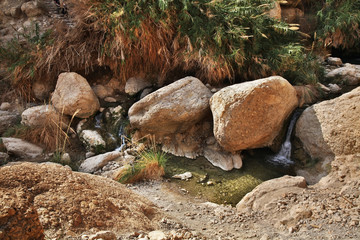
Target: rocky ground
327,210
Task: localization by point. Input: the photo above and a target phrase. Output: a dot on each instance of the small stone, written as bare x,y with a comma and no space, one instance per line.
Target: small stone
334,61
183,176
5,106
110,99
65,158
210,183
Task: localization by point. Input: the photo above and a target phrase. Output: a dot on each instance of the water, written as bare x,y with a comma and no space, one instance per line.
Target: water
122,136
228,187
283,157
98,120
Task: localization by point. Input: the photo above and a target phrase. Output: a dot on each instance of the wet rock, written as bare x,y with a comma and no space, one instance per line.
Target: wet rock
22,149
93,140
183,176
93,164
251,114
222,159
8,119
171,109
73,94
135,85
347,75
44,115
265,195
331,128
31,9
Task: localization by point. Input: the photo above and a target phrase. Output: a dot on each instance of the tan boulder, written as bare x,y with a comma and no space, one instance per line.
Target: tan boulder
72,202
42,116
171,109
251,114
72,93
331,128
266,195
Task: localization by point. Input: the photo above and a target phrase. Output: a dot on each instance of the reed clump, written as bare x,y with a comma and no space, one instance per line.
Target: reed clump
216,41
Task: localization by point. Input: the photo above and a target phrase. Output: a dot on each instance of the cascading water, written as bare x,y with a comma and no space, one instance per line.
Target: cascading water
98,119
121,135
283,157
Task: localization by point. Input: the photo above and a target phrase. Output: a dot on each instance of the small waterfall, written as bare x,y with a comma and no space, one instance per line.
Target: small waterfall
98,120
121,135
283,156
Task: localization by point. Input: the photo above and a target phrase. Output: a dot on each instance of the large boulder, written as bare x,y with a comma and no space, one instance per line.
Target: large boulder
171,109
266,195
22,148
73,93
68,203
251,114
331,128
44,115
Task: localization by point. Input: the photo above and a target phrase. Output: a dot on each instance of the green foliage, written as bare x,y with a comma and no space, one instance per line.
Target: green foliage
213,40
149,165
17,131
296,66
339,22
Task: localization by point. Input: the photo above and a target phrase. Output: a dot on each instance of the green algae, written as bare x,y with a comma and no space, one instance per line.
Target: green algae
223,187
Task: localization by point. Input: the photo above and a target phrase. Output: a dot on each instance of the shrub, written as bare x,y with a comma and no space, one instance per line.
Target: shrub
149,166
21,54
339,22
